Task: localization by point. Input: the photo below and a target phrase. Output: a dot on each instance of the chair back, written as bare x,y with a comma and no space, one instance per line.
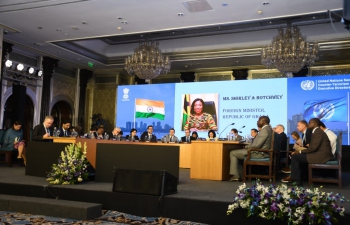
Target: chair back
209,107
339,148
2,134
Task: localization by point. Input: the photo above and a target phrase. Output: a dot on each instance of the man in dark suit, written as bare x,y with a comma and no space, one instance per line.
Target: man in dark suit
148,135
187,138
280,138
262,141
319,151
116,134
64,130
43,130
306,132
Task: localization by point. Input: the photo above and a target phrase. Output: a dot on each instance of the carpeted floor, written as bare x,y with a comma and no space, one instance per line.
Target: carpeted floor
109,217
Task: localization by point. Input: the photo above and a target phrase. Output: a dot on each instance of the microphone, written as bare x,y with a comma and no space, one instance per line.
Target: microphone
226,128
239,131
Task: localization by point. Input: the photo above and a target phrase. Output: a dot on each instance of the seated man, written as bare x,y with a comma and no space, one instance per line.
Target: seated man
187,138
262,141
64,130
237,137
148,135
99,134
319,151
253,132
171,136
116,134
43,130
280,138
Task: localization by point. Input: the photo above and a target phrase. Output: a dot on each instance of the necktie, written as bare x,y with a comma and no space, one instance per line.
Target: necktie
304,139
47,130
65,133
171,138
187,139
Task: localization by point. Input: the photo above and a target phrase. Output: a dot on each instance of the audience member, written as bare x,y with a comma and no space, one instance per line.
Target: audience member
13,138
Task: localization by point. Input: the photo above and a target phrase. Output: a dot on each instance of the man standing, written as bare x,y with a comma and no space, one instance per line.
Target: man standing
261,141
64,130
171,136
187,138
319,151
331,136
43,130
148,135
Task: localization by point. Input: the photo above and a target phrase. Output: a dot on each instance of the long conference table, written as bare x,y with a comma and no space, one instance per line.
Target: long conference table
207,160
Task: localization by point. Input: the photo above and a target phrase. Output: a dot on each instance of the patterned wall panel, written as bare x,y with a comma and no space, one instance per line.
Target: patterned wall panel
166,80
104,102
105,80
214,78
61,87
329,72
267,75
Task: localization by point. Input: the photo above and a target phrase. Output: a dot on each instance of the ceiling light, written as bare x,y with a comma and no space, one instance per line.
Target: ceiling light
119,28
39,73
124,22
20,67
120,18
180,14
8,63
224,4
84,22
30,70
75,28
58,30
259,12
265,3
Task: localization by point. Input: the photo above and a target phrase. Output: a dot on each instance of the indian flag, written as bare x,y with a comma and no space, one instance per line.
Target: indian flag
145,108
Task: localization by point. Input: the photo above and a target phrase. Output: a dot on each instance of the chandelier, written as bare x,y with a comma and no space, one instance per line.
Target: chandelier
289,52
147,62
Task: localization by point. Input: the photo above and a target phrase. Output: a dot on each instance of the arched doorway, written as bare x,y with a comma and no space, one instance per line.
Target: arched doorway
61,111
28,115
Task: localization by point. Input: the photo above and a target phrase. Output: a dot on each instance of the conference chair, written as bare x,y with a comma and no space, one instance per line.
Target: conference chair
270,163
209,107
330,165
283,156
7,151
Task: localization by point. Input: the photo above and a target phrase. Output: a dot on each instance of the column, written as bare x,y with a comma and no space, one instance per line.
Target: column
84,77
241,74
49,64
5,49
77,97
19,96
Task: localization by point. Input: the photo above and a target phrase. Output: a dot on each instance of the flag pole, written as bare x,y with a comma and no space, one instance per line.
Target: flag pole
348,120
134,112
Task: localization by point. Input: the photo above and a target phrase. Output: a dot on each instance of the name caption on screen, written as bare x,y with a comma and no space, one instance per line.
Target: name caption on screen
247,98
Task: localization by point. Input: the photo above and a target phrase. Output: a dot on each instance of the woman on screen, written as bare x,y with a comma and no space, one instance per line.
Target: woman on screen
14,139
211,136
199,120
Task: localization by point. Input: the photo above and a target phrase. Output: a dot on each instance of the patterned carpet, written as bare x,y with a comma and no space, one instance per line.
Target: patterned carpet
109,217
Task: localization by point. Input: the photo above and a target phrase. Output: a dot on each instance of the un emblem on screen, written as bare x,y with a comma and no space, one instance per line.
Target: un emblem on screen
126,94
307,85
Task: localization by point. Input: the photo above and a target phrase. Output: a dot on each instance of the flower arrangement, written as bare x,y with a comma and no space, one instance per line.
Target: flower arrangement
295,204
71,167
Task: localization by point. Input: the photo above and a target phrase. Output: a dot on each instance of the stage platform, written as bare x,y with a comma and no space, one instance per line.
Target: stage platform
197,200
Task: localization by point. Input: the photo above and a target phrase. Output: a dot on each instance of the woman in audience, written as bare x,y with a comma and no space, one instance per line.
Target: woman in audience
14,139
297,140
211,136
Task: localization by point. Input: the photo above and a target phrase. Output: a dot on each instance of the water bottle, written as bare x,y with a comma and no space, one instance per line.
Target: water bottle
106,136
232,137
55,132
58,132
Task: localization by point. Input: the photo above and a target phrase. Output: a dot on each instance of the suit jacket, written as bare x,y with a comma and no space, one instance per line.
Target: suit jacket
111,136
238,138
263,139
307,138
320,150
62,133
183,139
167,137
136,138
144,137
280,142
39,131
96,135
